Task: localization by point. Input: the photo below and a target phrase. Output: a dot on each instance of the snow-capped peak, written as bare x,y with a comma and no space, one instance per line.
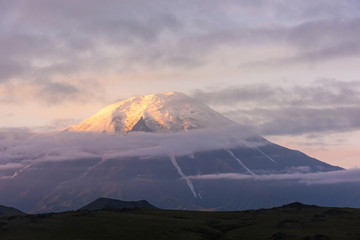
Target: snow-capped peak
165,113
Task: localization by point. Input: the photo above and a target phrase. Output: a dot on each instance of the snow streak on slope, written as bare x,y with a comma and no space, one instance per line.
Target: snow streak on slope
164,113
21,170
42,155
240,162
189,183
264,154
103,159
258,150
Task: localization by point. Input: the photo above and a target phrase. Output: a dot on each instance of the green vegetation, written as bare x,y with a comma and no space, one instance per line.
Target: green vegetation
293,221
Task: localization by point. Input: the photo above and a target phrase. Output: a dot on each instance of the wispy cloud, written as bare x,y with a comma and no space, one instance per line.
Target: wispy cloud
326,106
21,148
333,177
7,166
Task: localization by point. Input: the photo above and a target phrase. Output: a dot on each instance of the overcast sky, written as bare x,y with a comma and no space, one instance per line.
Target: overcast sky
289,69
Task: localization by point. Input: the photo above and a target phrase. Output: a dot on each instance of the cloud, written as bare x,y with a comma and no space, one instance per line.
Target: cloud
69,54
326,92
72,38
325,106
298,120
343,50
54,92
333,177
5,132
56,125
21,149
26,148
10,68
324,33
7,166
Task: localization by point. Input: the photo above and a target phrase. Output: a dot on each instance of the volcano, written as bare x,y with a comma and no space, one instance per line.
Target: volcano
166,148
162,113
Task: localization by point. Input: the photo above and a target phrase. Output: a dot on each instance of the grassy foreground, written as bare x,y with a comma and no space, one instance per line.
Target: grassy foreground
294,221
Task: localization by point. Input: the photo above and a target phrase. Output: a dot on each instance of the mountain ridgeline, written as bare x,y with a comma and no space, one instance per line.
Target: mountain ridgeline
171,150
292,221
9,211
108,203
163,113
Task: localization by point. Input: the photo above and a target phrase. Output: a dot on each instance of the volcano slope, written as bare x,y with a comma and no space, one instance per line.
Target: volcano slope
169,149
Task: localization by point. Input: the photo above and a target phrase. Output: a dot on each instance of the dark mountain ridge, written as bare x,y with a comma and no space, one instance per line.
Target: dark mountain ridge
9,211
107,203
291,221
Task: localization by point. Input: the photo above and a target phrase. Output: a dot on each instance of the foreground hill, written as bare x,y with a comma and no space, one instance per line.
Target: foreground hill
9,211
292,221
108,203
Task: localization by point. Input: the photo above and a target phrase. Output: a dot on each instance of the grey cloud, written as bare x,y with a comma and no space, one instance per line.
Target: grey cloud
327,92
129,31
23,45
297,121
69,29
20,50
72,146
10,68
316,41
334,177
326,106
63,122
42,39
7,166
50,38
238,94
320,34
307,35
55,92
5,177
324,41
54,125
342,50
20,130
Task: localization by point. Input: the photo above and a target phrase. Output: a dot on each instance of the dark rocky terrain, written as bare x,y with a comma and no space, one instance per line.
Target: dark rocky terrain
292,221
9,211
108,203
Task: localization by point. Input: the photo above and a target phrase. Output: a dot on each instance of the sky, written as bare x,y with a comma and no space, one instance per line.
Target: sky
287,69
